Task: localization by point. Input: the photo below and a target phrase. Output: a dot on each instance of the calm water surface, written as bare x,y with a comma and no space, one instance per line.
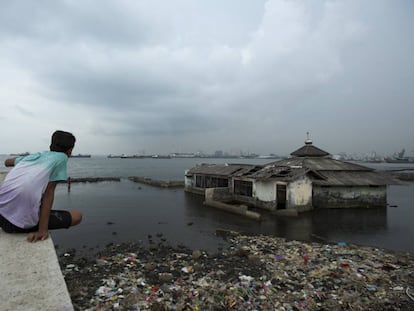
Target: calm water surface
123,211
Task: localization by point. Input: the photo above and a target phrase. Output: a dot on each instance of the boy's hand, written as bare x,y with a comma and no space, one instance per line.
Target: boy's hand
36,236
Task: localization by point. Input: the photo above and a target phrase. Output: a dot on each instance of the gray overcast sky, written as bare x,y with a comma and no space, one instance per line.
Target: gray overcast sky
128,76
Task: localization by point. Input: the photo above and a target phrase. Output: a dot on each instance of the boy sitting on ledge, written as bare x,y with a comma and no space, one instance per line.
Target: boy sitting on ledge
27,192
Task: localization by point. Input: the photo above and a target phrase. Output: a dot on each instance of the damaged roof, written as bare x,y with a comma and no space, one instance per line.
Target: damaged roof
282,173
321,164
330,172
224,170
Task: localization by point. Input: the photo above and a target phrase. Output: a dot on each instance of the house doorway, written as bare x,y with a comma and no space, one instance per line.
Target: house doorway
281,196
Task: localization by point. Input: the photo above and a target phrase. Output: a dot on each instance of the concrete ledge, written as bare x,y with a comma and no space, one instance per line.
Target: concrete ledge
30,276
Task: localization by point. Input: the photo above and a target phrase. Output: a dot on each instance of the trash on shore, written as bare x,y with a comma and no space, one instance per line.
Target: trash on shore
252,273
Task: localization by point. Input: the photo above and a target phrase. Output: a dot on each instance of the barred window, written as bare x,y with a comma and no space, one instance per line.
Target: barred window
243,187
211,182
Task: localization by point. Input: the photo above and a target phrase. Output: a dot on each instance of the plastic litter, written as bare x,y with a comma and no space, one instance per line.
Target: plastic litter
252,273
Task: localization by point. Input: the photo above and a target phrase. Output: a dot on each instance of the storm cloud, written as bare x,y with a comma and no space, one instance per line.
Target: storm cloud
185,76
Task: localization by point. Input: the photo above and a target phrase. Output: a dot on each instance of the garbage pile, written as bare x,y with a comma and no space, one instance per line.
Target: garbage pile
252,273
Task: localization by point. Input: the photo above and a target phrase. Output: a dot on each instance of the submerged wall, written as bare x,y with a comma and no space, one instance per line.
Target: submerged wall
348,197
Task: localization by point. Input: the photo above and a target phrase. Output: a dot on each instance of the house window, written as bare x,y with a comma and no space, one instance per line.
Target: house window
200,181
243,187
211,182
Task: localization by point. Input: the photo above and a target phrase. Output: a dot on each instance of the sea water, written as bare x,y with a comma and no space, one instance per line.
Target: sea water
116,212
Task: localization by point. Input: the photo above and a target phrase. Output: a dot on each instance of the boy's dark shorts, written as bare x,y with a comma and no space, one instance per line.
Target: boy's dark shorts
58,219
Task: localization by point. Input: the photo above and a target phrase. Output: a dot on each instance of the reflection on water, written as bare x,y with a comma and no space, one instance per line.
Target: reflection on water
125,211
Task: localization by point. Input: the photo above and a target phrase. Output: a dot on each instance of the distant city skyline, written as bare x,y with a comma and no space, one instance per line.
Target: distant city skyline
369,155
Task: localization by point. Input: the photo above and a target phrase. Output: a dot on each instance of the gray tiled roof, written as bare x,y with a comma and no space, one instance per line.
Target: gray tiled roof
309,150
321,164
223,169
353,178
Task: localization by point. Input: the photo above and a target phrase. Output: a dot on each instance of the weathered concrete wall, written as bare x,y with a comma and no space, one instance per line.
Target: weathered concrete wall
189,185
347,197
189,181
264,195
299,194
30,275
215,196
157,183
234,209
265,191
199,191
219,194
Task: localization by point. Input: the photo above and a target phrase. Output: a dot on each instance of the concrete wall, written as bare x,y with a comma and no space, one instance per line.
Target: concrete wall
217,194
30,276
265,191
189,185
189,182
299,194
346,197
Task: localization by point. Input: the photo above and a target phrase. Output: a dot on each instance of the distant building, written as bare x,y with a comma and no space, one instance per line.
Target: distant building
309,179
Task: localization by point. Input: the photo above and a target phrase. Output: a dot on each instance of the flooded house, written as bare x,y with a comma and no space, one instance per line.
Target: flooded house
309,179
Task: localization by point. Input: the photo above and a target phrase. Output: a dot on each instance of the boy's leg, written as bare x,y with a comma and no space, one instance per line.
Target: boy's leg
76,217
59,219
8,227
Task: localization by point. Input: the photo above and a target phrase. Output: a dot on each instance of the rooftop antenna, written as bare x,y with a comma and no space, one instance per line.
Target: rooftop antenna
308,141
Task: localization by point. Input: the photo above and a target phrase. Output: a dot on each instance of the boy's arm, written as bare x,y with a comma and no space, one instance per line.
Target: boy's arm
10,162
45,207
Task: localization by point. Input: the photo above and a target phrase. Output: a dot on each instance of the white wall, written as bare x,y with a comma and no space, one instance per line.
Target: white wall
265,190
299,193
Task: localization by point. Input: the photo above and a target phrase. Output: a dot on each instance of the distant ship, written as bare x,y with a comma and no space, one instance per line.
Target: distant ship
80,155
399,158
158,156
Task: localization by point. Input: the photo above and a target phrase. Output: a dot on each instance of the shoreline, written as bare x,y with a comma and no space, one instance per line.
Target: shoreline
254,272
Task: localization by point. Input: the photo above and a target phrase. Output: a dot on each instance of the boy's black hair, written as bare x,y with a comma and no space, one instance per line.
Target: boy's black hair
62,141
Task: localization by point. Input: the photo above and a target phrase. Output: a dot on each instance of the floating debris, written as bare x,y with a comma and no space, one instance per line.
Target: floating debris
252,273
